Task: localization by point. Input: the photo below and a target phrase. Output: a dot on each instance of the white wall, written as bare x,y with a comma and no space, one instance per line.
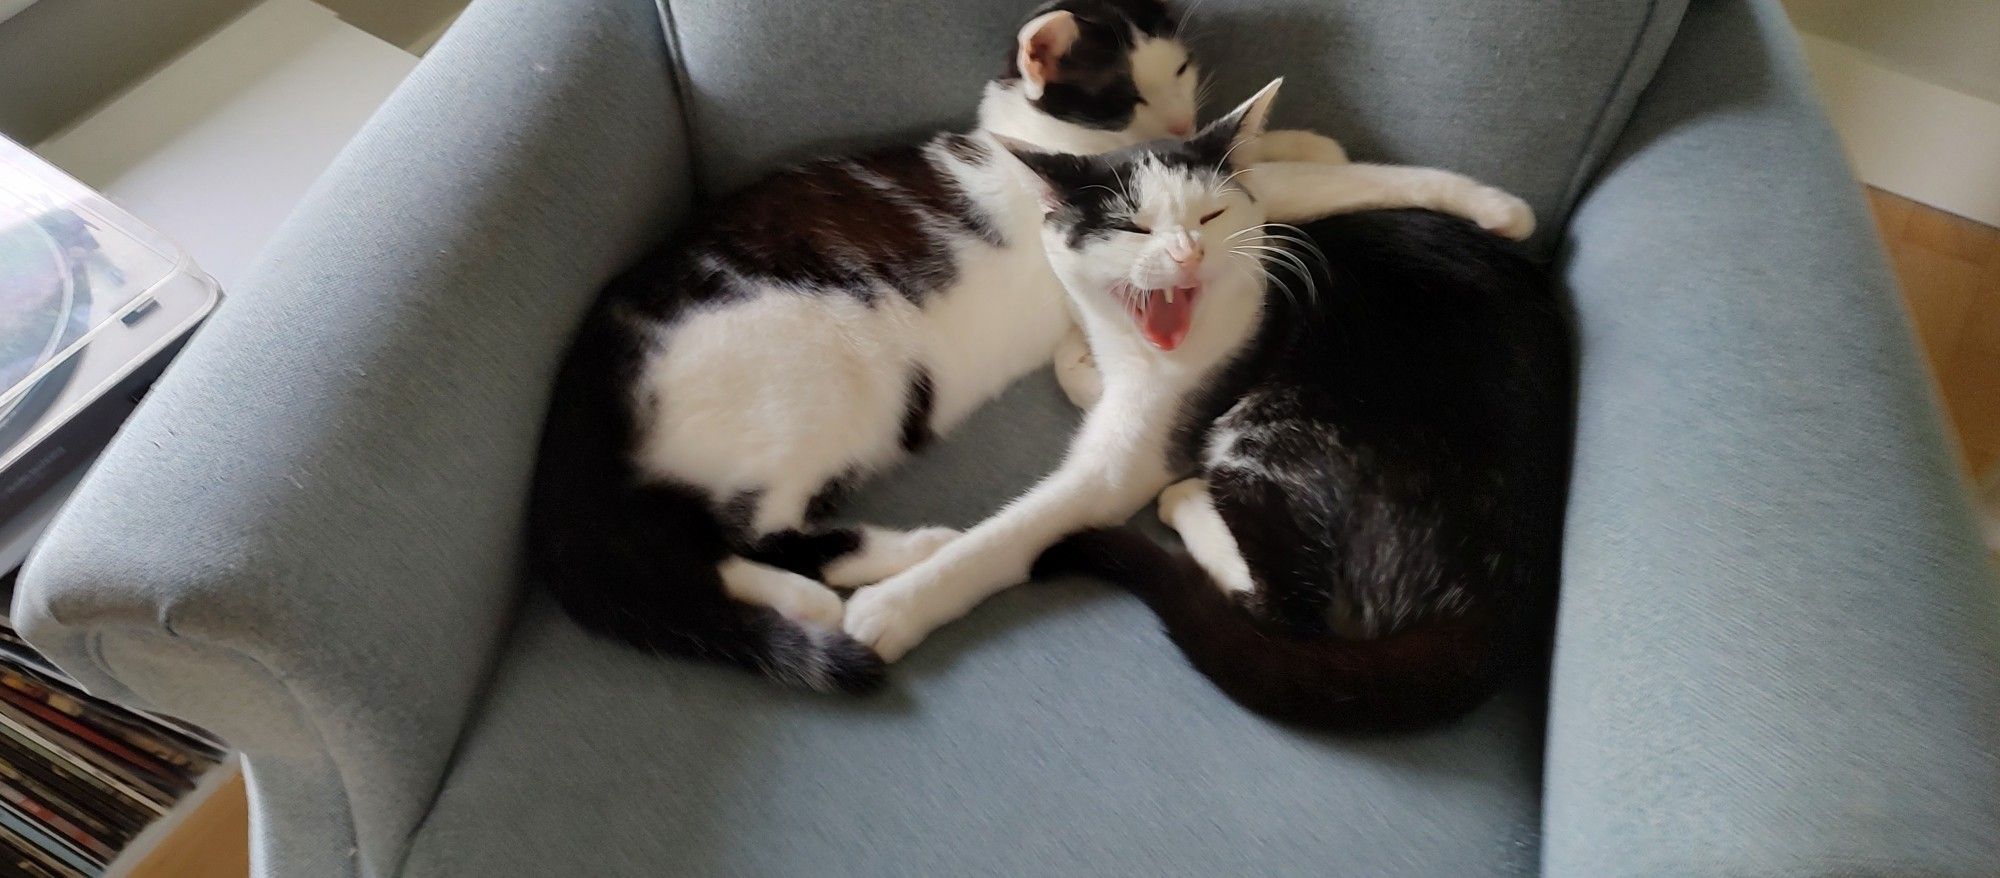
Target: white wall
216,148
1913,86
411,24
9,7
1953,43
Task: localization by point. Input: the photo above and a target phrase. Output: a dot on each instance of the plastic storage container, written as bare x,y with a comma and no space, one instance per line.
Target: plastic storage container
92,305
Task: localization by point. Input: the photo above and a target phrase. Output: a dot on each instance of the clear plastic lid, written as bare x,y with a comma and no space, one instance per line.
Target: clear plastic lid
71,264
87,293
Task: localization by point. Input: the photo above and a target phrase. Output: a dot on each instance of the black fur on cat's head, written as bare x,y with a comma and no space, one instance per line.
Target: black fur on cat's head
1154,228
1092,197
1112,65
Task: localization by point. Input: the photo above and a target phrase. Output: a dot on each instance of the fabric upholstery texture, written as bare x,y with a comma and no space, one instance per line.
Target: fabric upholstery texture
1776,646
306,539
1054,732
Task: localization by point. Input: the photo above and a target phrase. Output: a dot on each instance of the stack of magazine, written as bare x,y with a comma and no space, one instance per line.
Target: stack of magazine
80,778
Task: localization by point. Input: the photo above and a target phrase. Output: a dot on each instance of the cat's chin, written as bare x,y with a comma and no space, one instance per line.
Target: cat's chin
1163,315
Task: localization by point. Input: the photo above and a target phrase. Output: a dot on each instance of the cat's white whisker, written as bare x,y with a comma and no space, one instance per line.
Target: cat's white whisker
1281,257
1224,161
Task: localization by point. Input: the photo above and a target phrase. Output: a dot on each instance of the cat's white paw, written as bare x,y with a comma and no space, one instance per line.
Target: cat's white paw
1501,213
1176,496
885,553
925,541
818,606
887,618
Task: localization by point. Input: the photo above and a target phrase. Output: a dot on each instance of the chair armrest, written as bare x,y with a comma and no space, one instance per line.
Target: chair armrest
307,538
1777,637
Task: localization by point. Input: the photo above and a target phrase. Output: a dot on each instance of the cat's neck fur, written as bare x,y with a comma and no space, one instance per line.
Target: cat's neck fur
1224,326
1003,109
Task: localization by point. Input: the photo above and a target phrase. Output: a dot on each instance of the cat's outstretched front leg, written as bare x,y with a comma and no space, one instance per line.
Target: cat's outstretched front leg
1114,466
1294,192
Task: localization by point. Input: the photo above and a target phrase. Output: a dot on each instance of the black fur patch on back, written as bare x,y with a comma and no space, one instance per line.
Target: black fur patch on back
917,404
855,226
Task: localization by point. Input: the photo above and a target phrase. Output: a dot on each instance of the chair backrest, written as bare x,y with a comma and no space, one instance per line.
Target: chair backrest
1524,93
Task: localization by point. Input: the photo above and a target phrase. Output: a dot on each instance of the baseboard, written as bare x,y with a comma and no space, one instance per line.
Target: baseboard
1917,139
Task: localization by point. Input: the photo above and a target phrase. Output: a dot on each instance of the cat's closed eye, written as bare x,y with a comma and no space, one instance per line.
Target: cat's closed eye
1183,70
1134,228
1212,215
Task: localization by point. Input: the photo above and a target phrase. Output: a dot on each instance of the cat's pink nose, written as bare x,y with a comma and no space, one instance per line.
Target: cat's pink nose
1181,129
1186,252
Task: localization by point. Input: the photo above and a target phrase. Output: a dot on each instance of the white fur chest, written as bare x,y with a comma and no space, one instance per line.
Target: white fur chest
1001,320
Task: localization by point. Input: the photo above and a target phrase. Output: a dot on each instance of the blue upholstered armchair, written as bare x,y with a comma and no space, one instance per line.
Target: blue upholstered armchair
1775,651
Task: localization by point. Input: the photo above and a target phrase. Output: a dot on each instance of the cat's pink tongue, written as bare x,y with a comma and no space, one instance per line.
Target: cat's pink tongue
1165,323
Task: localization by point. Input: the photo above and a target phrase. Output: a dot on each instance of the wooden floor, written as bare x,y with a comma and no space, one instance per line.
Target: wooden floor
213,842
1950,271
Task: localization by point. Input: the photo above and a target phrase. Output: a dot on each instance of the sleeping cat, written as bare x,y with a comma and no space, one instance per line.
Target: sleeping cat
1161,249
1373,529
824,323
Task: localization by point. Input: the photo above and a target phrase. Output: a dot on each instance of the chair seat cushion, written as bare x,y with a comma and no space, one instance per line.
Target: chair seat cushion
1055,731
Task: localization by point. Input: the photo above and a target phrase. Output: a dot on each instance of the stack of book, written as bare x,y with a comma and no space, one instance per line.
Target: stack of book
80,778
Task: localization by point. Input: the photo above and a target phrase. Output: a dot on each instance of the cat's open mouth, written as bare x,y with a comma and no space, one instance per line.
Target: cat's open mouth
1163,315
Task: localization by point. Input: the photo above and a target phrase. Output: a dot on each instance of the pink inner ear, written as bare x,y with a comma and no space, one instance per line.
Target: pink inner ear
1043,42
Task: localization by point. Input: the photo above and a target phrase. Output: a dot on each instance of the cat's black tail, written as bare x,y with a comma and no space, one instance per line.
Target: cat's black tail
755,638
1426,674
649,577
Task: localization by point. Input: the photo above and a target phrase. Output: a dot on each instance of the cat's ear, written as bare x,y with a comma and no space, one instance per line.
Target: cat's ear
1244,123
1051,175
1041,175
1040,47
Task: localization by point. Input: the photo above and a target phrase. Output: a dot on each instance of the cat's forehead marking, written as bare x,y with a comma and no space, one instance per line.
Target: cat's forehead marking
1158,59
1158,186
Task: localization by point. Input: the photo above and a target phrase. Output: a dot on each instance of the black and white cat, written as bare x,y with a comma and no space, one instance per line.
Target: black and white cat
1161,248
822,324
1373,530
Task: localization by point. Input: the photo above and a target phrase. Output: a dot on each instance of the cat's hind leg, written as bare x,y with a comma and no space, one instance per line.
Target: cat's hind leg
1189,509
